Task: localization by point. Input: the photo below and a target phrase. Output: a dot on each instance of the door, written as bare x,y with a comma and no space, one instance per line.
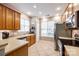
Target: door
28,38
32,39
2,17
17,20
9,19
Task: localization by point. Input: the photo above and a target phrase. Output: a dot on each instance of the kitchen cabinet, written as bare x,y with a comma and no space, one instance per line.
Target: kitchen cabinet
22,51
31,39
2,17
9,19
17,20
28,38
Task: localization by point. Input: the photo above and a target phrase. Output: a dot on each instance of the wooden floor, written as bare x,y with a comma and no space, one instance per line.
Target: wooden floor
43,48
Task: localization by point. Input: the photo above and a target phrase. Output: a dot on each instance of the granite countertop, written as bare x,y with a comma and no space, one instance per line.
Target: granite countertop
68,38
20,36
3,43
72,50
14,43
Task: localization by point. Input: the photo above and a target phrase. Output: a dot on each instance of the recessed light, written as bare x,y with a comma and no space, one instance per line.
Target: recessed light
57,14
29,13
34,6
70,12
66,13
57,17
58,8
75,4
70,5
40,12
44,18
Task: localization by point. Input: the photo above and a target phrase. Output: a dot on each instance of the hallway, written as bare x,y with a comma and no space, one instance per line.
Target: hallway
43,48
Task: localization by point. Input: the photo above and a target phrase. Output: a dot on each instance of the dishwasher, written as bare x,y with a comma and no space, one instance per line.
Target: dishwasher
61,48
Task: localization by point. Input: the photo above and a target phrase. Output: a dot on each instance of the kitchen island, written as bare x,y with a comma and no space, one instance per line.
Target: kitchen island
71,46
71,50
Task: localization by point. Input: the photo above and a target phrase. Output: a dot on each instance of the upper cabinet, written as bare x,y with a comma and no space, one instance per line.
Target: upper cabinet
2,17
71,17
9,19
17,20
68,12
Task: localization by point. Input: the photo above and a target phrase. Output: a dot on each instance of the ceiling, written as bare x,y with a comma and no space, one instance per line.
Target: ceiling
41,9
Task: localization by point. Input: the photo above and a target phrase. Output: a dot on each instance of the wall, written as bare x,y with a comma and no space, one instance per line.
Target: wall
36,22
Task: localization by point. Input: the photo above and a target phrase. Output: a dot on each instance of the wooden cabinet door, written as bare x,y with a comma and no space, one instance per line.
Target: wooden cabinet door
28,38
17,20
22,51
2,17
33,39
9,19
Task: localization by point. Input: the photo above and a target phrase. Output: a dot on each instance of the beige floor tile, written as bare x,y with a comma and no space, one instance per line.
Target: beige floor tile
43,48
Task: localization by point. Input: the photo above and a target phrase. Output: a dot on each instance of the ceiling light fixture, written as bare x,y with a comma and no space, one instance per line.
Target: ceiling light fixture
29,13
56,17
57,14
75,4
66,13
70,5
34,6
58,8
70,12
40,12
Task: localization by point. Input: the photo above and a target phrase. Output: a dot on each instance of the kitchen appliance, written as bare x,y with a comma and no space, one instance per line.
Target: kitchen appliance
5,35
32,29
60,32
72,22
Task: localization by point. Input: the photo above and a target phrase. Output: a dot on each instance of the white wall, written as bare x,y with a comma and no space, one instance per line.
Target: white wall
38,29
35,21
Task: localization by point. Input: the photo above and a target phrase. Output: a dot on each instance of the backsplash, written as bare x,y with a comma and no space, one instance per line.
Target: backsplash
12,33
75,32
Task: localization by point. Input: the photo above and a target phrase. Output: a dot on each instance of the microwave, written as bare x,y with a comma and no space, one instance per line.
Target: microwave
73,21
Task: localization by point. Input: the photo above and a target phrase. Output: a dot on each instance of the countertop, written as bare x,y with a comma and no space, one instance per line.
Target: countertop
20,36
3,43
72,50
68,38
14,43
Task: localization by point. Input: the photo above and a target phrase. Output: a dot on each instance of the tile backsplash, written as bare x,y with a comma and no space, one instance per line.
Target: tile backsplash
12,33
75,32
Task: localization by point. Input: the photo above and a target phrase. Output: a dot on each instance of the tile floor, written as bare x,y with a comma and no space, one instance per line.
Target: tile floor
43,48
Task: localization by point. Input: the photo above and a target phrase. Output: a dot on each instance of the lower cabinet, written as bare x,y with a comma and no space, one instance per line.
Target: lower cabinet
31,39
28,38
22,51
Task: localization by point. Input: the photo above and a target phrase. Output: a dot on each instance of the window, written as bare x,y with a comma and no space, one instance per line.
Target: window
47,28
24,23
